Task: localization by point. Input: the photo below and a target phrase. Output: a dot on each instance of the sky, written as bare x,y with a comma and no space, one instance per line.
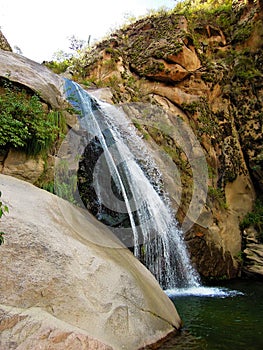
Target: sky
41,28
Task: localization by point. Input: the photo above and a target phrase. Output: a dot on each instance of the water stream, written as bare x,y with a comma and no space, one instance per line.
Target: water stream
123,187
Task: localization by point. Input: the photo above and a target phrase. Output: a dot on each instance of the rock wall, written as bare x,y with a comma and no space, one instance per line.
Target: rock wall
204,68
67,283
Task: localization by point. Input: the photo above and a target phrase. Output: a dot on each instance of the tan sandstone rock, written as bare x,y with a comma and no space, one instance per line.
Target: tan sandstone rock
186,58
173,94
253,254
67,283
23,167
168,73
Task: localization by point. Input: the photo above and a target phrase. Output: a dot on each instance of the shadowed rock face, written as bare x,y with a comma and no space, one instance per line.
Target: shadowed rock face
66,282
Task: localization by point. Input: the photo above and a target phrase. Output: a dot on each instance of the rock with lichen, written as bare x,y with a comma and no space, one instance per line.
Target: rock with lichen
4,44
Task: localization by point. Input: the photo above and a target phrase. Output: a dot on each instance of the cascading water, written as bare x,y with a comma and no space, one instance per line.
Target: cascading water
127,185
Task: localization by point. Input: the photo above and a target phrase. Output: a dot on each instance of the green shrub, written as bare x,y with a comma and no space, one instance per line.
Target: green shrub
25,124
58,67
243,33
255,218
218,195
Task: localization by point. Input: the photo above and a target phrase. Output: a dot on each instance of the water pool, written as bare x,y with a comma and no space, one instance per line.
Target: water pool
231,319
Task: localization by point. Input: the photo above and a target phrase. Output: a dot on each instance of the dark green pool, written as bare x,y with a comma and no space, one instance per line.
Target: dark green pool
233,322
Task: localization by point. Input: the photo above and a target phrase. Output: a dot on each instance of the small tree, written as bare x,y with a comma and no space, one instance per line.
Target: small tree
76,44
3,209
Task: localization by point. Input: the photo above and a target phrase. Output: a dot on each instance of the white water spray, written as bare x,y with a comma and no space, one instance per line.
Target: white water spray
153,232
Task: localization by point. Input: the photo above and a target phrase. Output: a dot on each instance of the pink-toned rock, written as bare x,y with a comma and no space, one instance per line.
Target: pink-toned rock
36,329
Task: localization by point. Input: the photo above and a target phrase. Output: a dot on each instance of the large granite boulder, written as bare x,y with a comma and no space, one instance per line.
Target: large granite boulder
67,283
32,75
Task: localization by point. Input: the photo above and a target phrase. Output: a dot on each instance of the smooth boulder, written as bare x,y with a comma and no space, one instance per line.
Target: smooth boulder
35,76
67,283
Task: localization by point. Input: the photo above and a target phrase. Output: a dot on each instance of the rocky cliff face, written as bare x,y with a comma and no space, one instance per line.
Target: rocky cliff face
202,69
203,66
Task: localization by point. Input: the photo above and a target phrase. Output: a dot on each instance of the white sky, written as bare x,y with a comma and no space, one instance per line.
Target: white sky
40,28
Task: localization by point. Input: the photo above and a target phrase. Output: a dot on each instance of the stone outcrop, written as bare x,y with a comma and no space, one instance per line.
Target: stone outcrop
17,163
38,79
153,48
253,254
67,283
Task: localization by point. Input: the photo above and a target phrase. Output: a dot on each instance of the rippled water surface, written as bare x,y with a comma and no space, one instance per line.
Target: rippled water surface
223,318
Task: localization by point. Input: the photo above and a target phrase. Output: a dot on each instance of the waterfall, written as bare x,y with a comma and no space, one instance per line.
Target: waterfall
126,189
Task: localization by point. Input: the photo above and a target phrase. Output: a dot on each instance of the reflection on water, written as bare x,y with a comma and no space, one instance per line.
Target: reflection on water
223,322
185,340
